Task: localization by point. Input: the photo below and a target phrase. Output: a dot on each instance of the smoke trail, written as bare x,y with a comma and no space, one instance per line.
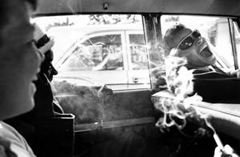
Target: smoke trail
73,6
69,2
176,104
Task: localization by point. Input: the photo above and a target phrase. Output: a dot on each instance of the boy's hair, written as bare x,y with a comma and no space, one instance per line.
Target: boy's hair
170,35
4,12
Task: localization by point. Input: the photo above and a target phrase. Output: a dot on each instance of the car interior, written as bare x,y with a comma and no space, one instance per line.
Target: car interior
108,53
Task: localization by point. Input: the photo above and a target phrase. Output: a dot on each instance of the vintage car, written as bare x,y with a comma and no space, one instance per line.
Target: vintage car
110,54
101,53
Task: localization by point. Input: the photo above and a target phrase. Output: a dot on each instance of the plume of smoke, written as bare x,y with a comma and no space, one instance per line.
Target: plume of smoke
179,78
92,104
176,106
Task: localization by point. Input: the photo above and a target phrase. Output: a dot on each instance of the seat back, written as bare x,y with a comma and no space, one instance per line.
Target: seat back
55,136
217,88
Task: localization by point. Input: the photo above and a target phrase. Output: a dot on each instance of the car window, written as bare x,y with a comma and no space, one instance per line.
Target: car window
108,49
214,29
138,52
216,32
103,52
112,50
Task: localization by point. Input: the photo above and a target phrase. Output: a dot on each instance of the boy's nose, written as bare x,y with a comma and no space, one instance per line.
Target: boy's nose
54,71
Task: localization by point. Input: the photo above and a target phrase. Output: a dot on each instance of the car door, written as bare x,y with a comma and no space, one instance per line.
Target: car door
138,73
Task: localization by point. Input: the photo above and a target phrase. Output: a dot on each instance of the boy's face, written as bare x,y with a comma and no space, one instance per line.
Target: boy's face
19,61
194,48
47,68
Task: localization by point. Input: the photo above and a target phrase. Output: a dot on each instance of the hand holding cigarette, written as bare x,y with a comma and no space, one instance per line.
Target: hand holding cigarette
227,151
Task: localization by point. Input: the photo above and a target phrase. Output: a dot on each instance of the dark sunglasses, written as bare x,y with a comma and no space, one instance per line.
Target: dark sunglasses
188,41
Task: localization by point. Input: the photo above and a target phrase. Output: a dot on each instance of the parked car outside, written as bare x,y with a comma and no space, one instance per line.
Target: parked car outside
114,55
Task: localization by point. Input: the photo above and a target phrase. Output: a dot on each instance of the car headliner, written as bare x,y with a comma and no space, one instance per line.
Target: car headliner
203,7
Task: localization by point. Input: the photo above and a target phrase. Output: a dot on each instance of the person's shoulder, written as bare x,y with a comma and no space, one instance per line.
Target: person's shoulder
209,73
8,131
13,143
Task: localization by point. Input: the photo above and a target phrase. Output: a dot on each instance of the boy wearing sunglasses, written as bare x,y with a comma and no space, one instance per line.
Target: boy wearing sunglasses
183,42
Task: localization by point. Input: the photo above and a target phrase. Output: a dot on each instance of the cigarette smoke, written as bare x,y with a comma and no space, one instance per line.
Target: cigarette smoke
176,105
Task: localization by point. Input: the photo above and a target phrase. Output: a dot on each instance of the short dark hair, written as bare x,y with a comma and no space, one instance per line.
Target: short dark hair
169,36
4,11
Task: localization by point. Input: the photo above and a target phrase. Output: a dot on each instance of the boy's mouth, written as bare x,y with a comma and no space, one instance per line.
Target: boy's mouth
205,51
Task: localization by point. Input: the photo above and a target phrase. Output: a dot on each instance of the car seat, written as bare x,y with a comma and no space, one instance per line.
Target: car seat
216,87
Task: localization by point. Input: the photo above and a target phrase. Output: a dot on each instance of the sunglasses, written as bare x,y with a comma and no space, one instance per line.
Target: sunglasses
188,41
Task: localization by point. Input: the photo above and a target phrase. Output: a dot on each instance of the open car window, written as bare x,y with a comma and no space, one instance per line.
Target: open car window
217,31
108,49
113,49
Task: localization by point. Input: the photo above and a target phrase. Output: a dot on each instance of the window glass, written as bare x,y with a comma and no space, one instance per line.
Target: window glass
204,36
139,53
97,53
107,49
214,29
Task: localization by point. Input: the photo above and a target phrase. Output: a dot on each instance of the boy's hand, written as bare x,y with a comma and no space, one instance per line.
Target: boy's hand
228,152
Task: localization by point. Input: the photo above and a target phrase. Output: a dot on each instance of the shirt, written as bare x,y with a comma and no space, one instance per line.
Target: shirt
12,144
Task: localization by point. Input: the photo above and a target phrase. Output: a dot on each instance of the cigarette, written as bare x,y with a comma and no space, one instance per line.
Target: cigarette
215,136
218,141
